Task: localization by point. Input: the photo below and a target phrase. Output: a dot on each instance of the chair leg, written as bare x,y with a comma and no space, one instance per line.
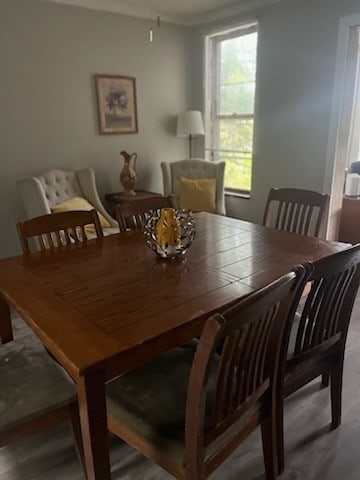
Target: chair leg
325,380
280,435
336,393
76,430
269,440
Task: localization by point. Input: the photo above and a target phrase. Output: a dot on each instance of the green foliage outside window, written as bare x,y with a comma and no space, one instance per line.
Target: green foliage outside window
235,145
237,75
237,171
234,108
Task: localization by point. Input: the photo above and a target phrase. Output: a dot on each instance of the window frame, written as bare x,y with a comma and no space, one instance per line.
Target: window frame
212,93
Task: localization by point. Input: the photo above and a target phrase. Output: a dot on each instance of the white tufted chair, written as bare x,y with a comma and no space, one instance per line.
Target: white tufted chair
194,168
42,192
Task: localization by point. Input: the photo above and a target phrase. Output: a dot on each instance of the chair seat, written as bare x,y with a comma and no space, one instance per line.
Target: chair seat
151,400
31,383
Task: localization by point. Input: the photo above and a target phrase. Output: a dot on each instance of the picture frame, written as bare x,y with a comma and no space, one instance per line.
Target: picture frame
116,101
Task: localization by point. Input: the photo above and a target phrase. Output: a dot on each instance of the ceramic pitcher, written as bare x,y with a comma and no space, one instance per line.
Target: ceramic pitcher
128,175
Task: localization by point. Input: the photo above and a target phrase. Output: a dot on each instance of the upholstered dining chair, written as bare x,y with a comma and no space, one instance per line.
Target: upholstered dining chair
35,394
133,215
59,229
318,333
44,192
191,407
194,169
295,210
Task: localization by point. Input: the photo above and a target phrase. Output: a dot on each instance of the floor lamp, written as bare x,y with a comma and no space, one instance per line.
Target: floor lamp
190,124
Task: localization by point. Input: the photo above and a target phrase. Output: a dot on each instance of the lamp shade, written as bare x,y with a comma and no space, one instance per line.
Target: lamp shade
189,123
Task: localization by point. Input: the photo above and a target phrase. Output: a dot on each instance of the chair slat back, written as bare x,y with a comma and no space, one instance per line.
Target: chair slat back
244,352
244,345
133,215
58,229
324,316
295,210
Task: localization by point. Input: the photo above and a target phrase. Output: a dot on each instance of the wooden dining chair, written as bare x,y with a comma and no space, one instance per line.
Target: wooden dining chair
59,229
295,210
190,408
35,393
133,215
318,333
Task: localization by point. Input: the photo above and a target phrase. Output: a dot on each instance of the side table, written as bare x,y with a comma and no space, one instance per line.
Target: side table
121,198
349,230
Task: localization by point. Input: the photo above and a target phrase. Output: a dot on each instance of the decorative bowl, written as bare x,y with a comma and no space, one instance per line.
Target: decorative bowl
169,232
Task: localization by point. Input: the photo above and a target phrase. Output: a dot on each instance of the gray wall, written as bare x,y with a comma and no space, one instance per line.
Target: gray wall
49,54
297,49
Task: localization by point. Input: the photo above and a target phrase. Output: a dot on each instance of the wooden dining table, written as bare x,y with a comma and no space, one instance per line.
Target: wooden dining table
110,304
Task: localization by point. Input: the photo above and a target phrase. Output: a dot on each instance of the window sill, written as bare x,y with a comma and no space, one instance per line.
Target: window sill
238,194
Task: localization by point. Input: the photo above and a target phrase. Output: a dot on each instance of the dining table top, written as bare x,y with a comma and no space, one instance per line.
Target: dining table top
108,305
102,303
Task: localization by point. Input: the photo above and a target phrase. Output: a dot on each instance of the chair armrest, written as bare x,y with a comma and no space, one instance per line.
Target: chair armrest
33,197
86,178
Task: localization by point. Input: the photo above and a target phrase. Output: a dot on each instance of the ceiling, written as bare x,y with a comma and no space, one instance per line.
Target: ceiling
186,12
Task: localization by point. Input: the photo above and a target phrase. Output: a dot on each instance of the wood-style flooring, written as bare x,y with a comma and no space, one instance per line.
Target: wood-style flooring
312,450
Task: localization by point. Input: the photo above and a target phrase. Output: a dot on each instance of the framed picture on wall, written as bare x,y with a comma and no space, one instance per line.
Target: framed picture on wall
116,100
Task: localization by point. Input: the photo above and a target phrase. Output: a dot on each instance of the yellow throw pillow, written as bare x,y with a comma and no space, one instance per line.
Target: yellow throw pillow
198,195
80,203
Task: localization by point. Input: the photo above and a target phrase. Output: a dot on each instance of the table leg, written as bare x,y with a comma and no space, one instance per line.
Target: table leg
6,332
93,419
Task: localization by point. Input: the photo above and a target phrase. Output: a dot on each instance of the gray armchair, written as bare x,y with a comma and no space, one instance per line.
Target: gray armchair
194,169
39,194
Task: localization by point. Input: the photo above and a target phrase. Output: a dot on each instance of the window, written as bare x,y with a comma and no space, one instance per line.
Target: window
230,94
